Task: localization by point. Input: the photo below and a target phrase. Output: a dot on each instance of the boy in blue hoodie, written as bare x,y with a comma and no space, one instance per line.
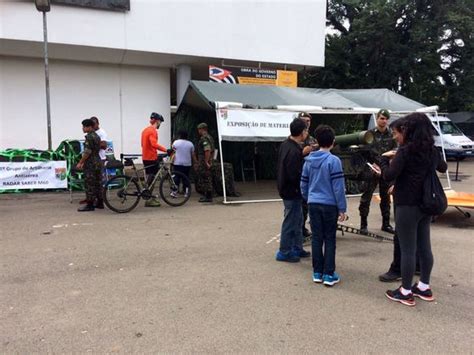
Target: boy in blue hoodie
322,186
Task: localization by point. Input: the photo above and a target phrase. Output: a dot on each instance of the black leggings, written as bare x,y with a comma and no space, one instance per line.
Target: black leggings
413,231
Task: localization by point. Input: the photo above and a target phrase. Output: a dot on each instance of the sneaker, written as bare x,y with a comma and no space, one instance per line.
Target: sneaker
317,277
290,258
331,280
426,295
173,194
302,253
390,276
82,202
397,296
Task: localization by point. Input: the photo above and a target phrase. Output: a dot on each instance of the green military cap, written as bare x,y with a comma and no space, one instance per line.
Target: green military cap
384,112
202,125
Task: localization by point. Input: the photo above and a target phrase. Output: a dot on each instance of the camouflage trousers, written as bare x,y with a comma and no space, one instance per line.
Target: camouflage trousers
204,179
366,197
93,184
228,179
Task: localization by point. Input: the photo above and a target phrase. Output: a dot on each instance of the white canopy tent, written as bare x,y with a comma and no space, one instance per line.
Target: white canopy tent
264,113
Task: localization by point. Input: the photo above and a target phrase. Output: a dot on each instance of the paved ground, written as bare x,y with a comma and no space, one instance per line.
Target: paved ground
203,279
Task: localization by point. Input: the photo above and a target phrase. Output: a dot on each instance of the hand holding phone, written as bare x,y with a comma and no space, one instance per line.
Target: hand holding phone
375,168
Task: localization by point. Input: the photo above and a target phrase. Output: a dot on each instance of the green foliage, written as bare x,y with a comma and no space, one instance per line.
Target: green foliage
422,49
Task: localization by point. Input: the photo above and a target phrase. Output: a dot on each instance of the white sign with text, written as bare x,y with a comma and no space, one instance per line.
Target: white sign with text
254,124
33,175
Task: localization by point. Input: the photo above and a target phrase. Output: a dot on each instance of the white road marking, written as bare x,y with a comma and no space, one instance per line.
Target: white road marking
277,239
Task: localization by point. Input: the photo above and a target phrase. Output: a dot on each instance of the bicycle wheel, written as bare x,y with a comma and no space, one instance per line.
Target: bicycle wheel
121,194
175,189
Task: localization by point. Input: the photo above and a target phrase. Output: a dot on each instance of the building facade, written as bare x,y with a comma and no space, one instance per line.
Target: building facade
122,65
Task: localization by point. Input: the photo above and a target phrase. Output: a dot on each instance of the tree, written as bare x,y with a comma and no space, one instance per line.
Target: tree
422,49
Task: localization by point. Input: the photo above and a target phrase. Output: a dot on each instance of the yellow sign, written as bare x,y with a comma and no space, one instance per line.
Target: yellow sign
287,78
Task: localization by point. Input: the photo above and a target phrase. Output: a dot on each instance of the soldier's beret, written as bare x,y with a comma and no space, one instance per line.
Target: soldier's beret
202,125
384,112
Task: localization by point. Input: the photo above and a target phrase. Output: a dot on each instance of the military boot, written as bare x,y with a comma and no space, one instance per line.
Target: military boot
99,204
363,225
386,227
207,198
86,208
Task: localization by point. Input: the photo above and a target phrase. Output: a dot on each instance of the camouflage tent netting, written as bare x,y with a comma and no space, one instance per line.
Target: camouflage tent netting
68,150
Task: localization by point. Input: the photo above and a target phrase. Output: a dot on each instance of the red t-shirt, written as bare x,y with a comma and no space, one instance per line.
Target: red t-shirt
150,143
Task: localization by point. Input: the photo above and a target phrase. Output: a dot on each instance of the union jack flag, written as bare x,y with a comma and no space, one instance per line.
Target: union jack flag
220,75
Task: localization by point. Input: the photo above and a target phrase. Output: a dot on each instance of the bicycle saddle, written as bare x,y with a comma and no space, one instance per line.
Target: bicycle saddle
129,161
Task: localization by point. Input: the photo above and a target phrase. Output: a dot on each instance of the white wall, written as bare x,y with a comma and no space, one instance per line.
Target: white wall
276,31
121,96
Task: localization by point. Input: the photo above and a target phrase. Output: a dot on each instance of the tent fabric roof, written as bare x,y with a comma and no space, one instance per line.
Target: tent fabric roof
462,117
203,94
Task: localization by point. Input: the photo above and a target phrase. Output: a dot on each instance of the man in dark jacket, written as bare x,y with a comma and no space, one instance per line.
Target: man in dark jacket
290,164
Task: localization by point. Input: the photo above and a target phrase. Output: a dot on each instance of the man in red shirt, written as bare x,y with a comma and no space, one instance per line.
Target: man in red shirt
150,147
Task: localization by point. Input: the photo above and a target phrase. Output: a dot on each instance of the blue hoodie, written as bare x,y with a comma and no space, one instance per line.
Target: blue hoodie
322,180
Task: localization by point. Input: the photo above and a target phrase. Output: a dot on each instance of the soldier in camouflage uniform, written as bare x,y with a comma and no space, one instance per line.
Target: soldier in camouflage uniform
309,144
383,142
92,166
205,152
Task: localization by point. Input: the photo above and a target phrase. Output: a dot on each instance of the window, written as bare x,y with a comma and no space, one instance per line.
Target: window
447,127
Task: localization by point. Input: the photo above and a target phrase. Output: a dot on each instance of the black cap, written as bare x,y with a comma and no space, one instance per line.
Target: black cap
156,116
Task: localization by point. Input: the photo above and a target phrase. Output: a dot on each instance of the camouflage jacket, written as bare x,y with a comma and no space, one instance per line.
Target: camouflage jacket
310,140
92,147
383,142
205,143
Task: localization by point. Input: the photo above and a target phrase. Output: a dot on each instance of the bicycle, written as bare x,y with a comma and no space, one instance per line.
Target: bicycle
123,193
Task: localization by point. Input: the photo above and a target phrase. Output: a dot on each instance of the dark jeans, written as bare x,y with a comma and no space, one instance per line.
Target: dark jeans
305,214
323,220
182,169
413,230
291,238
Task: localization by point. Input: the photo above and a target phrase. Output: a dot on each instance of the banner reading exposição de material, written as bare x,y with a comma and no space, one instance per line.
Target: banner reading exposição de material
254,125
33,175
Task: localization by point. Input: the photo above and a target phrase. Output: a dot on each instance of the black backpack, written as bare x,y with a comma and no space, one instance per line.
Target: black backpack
434,201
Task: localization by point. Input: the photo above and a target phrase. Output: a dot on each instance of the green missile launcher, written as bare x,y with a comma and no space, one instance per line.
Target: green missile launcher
354,140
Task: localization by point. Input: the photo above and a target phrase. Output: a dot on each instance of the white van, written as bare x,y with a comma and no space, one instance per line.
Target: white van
456,144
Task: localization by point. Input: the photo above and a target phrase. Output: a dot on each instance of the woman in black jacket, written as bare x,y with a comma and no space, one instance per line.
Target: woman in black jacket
408,167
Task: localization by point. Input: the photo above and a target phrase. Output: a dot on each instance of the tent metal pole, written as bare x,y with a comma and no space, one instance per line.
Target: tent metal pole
442,147
221,155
